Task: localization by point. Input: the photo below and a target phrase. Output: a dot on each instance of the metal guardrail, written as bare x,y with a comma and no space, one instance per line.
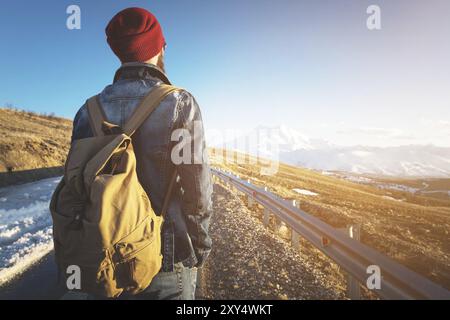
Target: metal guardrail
397,281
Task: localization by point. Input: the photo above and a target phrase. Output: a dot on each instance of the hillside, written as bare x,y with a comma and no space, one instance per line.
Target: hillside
409,227
29,140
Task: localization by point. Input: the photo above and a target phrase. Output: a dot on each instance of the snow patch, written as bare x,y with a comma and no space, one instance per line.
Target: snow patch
357,179
305,192
25,258
397,187
391,198
25,227
8,233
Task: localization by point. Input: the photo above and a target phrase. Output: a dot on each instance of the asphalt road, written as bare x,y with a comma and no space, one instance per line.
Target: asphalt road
37,283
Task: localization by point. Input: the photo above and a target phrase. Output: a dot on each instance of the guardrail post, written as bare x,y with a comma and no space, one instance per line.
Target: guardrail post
353,288
295,239
266,219
278,225
231,186
250,202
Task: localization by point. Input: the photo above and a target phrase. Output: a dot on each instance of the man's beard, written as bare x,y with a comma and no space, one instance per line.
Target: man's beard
160,63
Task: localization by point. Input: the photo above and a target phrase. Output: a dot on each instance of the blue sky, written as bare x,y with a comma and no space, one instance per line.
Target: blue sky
310,65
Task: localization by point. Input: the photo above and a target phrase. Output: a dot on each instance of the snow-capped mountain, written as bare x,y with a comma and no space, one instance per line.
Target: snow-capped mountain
412,161
275,140
291,146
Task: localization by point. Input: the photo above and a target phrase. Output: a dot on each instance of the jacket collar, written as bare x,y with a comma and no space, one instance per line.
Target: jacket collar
140,70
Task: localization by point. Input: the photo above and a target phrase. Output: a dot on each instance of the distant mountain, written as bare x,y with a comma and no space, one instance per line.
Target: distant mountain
272,141
407,161
293,147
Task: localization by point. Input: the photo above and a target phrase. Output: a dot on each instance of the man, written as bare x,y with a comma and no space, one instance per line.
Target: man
135,36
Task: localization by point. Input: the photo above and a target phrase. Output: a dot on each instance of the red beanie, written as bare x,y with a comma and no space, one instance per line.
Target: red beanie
135,35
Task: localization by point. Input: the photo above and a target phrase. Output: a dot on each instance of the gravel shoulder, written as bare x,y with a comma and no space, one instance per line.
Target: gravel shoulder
249,261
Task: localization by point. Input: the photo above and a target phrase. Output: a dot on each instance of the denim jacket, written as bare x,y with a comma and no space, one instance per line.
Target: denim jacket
185,237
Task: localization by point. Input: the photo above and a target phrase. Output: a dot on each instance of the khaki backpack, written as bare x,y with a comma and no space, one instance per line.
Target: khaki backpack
103,222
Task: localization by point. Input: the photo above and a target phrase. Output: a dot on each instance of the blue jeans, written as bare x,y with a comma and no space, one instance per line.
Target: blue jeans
177,285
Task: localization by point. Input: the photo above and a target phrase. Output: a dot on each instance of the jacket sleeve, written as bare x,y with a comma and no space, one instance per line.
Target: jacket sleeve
81,127
195,176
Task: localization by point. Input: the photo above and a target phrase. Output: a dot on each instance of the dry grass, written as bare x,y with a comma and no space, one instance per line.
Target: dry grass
29,140
414,229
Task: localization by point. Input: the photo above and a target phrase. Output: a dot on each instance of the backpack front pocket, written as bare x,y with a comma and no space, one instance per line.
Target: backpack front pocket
138,257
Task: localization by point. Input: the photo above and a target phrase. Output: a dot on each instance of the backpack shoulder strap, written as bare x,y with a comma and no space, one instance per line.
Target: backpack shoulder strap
148,104
96,115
